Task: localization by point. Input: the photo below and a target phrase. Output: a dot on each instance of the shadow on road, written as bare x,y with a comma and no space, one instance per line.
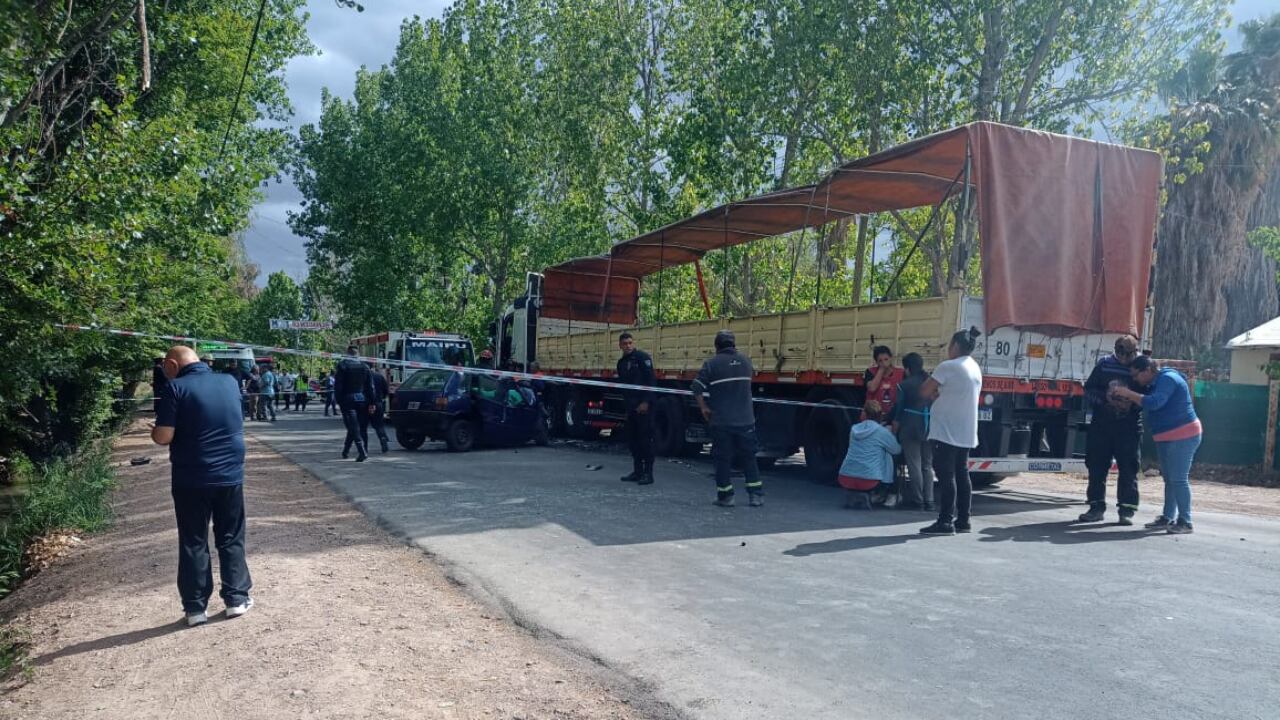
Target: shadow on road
1064,533
434,493
853,543
111,641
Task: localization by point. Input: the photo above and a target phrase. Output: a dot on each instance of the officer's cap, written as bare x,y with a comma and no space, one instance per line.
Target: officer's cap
725,339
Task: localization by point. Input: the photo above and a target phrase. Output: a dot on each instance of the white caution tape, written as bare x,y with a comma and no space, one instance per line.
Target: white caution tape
516,375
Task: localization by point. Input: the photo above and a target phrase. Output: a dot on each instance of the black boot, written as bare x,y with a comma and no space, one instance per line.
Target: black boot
1094,514
361,455
637,470
646,475
383,442
346,450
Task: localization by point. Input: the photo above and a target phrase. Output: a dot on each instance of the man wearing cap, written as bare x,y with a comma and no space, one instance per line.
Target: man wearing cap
1114,432
635,367
200,419
726,377
486,360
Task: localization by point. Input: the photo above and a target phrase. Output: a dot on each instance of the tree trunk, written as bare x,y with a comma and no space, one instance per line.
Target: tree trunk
993,52
146,45
1201,246
860,259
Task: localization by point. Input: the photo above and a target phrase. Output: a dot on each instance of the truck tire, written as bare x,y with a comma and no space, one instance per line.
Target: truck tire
575,417
554,397
410,439
460,436
669,425
826,439
542,433
984,479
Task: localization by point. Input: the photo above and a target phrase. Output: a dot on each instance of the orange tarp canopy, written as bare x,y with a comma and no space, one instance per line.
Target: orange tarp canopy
1066,226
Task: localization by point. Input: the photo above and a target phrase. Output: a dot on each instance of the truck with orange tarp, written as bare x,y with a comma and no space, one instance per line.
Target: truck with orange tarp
1065,228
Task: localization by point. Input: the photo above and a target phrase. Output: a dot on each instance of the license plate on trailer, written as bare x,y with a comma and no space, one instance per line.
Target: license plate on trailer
414,405
696,433
985,415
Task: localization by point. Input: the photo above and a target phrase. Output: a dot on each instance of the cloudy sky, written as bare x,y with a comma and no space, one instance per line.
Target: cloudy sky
347,40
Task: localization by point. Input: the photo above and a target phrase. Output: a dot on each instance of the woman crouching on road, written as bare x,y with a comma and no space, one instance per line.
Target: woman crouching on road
1176,430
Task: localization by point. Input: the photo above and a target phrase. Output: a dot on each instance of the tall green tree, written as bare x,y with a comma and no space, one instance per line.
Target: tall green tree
514,134
1221,143
119,202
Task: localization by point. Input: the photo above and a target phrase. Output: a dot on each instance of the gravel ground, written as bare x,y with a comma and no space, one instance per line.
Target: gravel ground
348,623
1206,494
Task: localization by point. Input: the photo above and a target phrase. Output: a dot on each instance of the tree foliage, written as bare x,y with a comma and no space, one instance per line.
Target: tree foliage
117,206
513,134
1221,143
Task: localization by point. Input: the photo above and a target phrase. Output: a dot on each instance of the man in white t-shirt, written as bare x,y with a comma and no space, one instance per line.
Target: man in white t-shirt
953,431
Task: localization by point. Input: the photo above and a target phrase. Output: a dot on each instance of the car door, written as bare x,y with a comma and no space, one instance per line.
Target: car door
489,395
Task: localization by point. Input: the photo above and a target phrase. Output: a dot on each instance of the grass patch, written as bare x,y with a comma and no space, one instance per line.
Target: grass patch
14,645
71,493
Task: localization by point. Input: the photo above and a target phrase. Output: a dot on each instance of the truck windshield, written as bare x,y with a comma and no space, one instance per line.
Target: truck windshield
440,351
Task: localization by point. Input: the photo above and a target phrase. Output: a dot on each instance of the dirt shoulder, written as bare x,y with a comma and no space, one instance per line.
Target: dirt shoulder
348,623
1208,492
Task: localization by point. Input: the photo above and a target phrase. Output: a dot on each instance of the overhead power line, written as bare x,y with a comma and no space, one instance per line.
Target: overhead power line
235,104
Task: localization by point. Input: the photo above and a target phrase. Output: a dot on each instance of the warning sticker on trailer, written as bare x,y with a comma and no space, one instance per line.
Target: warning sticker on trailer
1036,351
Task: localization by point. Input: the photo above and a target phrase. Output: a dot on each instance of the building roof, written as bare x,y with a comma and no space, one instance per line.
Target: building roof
1266,335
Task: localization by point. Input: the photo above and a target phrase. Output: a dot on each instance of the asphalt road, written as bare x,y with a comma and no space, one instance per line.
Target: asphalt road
802,609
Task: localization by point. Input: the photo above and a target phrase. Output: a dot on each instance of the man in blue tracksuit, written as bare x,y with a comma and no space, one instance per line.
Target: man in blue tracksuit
1114,433
726,377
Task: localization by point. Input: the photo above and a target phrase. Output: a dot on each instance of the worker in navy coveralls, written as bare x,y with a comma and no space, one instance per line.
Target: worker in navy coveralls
726,378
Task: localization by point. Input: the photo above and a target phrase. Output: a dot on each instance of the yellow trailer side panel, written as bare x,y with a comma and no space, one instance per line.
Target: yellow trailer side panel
828,340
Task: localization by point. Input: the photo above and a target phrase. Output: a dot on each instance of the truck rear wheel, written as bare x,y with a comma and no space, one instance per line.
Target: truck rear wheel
576,424
669,425
826,439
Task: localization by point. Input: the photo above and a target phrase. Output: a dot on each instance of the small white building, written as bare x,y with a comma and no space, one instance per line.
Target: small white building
1252,351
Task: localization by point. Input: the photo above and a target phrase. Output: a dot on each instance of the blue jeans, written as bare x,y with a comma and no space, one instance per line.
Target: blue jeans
1175,466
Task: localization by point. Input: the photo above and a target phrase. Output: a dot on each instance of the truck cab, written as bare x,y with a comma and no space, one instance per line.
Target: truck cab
424,346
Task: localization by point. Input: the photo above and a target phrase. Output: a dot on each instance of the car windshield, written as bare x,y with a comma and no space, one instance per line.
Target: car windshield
427,380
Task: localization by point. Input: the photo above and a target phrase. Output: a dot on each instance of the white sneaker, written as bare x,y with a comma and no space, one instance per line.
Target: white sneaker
194,619
236,611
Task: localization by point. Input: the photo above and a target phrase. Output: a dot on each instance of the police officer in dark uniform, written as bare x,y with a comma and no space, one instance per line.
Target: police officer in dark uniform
635,367
353,389
376,417
726,377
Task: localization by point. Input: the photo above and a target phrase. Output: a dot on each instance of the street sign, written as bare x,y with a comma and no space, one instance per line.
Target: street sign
278,324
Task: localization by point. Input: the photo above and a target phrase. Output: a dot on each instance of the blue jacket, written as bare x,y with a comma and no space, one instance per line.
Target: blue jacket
871,450
1168,405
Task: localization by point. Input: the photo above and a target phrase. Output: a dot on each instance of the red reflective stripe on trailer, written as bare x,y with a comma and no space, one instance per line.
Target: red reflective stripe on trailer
1038,387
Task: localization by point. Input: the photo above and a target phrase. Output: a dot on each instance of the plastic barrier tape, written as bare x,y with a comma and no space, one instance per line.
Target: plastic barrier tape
324,355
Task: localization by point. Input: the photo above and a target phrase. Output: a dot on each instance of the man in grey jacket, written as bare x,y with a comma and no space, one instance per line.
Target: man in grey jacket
726,378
